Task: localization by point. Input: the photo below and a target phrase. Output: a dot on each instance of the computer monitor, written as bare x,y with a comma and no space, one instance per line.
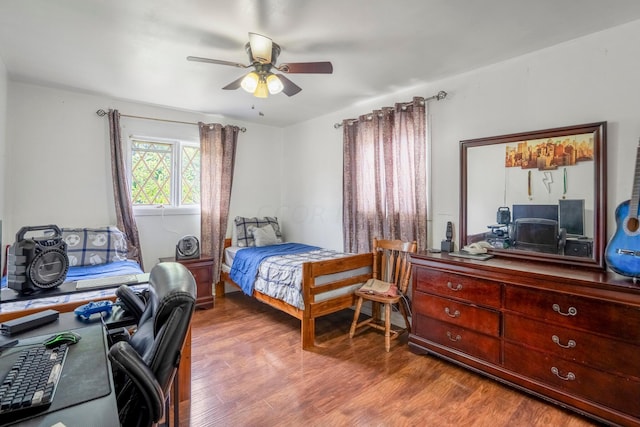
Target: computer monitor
571,216
535,211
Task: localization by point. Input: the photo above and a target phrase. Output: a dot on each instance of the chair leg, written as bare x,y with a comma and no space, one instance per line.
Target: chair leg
403,310
387,327
176,399
356,315
375,311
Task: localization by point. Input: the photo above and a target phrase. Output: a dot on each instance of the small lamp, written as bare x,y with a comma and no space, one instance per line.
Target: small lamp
262,90
274,84
250,82
261,47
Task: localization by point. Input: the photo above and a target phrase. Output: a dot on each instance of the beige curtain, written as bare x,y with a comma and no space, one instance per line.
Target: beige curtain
217,158
126,222
384,181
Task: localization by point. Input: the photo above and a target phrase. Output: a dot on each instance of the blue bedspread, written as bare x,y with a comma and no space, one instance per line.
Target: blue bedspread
116,268
246,262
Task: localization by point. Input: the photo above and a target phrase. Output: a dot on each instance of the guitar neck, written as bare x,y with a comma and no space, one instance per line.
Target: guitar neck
635,194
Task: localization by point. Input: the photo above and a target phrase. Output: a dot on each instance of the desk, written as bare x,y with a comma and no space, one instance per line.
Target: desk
184,373
82,372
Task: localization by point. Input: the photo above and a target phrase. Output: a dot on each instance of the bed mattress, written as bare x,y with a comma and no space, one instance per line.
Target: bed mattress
117,268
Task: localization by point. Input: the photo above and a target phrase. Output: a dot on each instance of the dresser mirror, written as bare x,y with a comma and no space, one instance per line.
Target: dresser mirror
537,195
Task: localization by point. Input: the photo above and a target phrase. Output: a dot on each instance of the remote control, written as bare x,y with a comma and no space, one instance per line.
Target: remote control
85,311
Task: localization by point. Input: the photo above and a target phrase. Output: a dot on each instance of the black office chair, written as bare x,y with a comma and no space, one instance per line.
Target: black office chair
131,303
145,365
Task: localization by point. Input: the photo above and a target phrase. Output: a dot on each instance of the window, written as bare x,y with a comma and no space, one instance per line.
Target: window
165,173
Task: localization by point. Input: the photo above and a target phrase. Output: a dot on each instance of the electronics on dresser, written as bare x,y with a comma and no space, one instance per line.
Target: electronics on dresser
503,215
188,248
499,242
535,211
571,216
447,244
38,262
582,247
537,234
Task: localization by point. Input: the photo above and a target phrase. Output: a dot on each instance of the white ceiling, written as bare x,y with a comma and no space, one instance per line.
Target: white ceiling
136,49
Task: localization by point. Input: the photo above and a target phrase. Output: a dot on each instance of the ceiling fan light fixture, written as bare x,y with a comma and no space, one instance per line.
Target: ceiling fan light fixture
250,82
261,47
262,91
274,84
261,82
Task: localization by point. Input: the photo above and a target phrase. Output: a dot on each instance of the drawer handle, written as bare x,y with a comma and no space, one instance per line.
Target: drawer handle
455,313
570,343
570,376
572,310
452,338
456,289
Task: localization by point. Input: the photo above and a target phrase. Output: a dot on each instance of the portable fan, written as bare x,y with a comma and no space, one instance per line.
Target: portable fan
188,248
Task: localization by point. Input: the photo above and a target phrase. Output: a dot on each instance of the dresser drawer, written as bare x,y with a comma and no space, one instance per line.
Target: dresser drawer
454,337
478,291
458,313
616,320
201,273
574,345
617,392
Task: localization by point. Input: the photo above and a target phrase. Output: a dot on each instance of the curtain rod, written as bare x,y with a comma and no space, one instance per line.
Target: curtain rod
102,113
438,97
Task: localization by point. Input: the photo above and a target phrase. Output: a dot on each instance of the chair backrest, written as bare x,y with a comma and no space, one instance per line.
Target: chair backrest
391,261
148,362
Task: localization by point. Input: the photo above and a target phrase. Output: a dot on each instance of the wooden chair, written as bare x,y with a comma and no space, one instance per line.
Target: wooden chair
390,264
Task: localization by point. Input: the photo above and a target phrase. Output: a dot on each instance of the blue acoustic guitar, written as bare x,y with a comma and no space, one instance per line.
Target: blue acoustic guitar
623,250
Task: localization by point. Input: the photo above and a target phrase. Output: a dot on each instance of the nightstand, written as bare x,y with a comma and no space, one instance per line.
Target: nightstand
202,270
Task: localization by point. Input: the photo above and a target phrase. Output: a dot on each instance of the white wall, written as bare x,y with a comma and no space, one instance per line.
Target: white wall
296,173
60,171
4,81
586,80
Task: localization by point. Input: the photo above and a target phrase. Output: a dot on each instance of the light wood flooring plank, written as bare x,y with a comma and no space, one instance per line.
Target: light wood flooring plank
248,370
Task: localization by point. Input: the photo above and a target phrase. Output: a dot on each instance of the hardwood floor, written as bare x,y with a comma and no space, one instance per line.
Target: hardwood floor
248,370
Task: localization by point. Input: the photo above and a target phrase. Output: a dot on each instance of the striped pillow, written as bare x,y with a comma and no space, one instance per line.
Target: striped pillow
243,231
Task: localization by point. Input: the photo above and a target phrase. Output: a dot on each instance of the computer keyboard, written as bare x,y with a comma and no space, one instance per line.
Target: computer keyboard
33,378
105,282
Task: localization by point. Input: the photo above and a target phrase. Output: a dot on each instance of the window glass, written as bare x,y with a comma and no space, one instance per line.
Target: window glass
164,173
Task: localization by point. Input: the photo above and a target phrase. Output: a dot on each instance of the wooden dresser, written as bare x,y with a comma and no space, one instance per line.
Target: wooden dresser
568,335
202,270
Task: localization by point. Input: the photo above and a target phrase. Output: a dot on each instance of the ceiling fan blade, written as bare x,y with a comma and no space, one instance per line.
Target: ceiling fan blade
216,61
234,84
307,67
289,87
261,47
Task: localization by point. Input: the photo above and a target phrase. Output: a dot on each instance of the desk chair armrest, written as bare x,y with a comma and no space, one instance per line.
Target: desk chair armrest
126,359
131,301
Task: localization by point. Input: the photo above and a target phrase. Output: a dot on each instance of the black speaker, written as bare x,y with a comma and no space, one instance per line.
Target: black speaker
37,262
579,247
503,215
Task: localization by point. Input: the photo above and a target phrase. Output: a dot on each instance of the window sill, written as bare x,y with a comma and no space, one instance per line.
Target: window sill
161,210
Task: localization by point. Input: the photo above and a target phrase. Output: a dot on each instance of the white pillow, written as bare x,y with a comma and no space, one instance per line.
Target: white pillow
263,236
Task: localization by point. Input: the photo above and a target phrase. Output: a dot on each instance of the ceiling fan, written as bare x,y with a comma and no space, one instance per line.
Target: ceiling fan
261,82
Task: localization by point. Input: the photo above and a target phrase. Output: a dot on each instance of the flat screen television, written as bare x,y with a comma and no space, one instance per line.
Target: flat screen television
571,216
535,234
535,211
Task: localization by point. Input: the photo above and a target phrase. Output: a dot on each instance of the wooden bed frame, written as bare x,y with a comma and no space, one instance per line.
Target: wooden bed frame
312,308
